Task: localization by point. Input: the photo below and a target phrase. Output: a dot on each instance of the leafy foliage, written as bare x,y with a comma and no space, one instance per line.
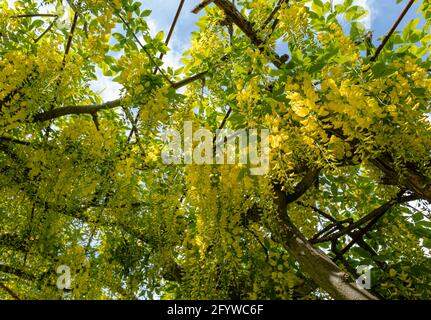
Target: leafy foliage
82,183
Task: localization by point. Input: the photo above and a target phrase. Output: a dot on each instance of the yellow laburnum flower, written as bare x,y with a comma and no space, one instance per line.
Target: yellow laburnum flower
298,104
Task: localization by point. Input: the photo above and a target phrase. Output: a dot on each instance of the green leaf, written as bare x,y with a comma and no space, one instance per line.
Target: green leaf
339,8
356,13
136,7
427,243
357,30
318,7
109,60
409,28
117,47
160,36
347,3
145,13
417,217
118,36
381,69
36,24
419,92
106,70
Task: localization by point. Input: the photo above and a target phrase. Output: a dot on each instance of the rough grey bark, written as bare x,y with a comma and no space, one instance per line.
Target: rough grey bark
325,273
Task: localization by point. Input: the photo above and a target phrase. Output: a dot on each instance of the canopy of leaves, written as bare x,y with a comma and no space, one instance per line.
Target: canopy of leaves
82,183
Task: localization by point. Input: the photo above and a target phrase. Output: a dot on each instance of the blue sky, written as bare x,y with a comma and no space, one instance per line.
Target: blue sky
382,15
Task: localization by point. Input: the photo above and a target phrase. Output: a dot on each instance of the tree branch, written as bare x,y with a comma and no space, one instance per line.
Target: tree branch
70,38
310,177
8,290
17,272
238,19
189,80
32,15
324,272
394,27
68,110
375,214
200,6
46,30
91,109
273,13
172,28
13,140
322,213
413,180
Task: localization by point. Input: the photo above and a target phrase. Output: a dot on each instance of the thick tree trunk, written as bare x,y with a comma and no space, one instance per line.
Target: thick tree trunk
325,273
413,180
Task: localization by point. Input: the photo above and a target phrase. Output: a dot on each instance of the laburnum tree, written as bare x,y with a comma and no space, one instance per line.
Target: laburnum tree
82,183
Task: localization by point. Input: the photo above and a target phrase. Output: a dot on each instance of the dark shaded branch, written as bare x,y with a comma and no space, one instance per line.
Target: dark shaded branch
273,13
68,110
46,30
39,15
96,121
8,290
172,28
330,228
221,126
227,115
394,27
189,80
17,272
302,187
91,109
375,214
246,26
357,237
13,140
200,6
265,249
70,38
322,213
32,15
413,180
241,22
134,130
324,272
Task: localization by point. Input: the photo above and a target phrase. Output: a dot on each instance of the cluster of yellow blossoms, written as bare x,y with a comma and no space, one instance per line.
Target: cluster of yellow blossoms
336,36
156,107
293,20
32,81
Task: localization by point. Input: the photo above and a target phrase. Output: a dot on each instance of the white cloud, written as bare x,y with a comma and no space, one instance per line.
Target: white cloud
367,5
108,89
172,59
177,44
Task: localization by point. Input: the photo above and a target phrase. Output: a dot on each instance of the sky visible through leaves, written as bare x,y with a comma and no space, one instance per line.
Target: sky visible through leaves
348,127
381,16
